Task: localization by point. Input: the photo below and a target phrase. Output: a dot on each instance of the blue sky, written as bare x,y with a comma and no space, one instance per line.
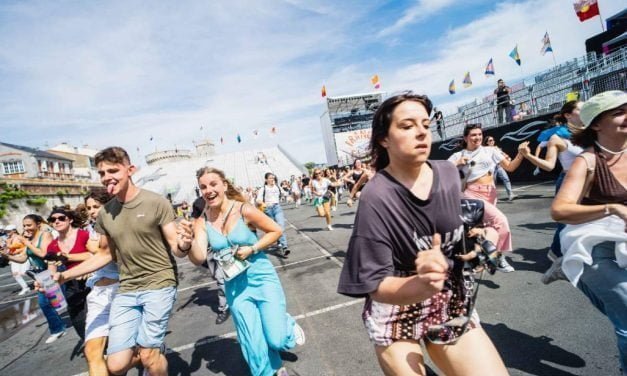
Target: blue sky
119,72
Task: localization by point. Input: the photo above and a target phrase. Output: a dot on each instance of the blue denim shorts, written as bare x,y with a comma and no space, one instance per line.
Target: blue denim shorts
140,318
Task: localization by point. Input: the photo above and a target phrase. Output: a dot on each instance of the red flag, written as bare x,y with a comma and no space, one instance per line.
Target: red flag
586,9
324,91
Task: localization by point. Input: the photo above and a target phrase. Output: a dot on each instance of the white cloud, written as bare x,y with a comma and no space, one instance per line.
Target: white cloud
420,11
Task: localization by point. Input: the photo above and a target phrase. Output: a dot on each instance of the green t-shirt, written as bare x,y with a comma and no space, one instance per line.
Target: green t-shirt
141,250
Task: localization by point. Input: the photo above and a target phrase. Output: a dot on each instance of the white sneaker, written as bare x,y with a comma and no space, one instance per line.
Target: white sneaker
503,266
282,372
54,337
299,335
334,208
329,227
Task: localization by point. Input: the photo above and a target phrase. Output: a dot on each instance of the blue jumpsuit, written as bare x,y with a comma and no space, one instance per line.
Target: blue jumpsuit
257,303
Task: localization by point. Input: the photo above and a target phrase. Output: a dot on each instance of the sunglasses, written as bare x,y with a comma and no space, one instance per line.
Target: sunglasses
61,218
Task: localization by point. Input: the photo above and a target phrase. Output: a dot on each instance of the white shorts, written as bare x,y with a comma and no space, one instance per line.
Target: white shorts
18,268
98,308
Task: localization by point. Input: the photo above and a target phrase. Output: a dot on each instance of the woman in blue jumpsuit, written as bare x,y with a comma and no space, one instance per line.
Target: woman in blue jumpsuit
264,328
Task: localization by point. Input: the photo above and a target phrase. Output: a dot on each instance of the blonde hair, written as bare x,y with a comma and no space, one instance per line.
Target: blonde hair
232,193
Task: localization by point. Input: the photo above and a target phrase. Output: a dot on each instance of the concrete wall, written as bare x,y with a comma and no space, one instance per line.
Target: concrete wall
15,214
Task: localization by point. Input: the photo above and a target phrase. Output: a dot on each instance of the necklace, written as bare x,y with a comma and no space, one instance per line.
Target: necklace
610,151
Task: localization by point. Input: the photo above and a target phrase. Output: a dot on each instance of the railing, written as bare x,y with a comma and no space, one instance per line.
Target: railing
545,92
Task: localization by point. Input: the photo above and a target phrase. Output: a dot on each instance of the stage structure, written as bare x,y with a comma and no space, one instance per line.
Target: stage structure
346,126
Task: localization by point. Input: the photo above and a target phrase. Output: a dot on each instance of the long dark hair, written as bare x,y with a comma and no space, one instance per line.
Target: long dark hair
567,108
381,125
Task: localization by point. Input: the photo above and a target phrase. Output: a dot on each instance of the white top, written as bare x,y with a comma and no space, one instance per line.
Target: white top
270,195
485,159
320,187
577,242
567,157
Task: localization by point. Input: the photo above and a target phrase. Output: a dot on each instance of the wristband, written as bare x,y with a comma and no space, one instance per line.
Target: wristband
255,249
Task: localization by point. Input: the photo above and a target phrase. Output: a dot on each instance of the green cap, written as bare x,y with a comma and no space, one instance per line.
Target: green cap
600,103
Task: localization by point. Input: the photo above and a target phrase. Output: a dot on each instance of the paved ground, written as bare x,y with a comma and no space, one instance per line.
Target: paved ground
539,330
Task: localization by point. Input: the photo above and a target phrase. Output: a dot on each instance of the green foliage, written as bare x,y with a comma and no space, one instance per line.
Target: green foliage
36,201
8,194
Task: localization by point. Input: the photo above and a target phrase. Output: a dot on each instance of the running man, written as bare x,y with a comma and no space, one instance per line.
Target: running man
139,233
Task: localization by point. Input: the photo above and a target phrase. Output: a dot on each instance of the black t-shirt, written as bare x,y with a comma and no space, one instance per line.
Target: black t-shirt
305,181
502,95
392,225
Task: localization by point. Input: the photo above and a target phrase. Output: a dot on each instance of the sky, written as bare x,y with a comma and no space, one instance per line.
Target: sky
155,75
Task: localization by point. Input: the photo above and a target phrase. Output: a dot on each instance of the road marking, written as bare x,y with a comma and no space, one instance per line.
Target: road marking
228,335
534,185
318,246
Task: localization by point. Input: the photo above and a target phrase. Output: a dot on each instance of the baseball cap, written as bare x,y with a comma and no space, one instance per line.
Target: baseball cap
10,228
600,103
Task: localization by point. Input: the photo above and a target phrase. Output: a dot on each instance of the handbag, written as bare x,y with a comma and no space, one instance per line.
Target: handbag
231,266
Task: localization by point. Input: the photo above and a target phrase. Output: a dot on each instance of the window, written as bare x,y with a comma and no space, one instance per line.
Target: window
12,167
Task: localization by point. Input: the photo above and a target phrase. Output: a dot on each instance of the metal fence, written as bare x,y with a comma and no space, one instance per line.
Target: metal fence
544,92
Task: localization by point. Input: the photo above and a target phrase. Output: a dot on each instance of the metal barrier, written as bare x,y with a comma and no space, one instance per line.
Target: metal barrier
543,93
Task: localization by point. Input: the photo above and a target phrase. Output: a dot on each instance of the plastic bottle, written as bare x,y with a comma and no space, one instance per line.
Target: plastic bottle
52,291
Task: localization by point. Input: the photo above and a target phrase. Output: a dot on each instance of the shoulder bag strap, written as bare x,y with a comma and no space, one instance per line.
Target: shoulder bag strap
591,163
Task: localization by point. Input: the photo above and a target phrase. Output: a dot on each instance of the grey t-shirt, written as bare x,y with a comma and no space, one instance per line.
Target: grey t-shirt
141,250
392,225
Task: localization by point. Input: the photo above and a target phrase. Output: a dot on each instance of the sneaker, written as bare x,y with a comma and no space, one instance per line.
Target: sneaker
282,372
329,227
551,255
284,251
554,273
511,197
223,316
503,266
23,291
299,334
54,337
334,208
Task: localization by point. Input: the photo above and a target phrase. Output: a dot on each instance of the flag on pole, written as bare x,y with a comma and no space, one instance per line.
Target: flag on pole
467,81
546,44
324,91
489,69
151,138
239,138
375,81
222,140
255,132
451,87
273,130
515,55
586,9
201,127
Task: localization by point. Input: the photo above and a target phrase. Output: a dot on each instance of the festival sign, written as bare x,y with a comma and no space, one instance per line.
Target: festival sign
352,145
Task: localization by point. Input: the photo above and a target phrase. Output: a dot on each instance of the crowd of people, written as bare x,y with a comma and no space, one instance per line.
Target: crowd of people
114,255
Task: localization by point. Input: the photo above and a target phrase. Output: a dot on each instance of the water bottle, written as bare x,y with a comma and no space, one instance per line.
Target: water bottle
52,291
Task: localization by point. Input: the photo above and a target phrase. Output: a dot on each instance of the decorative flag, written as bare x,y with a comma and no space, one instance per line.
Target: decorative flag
489,69
586,9
255,133
467,81
273,130
151,138
451,87
375,81
324,91
546,44
515,55
239,138
201,127
222,140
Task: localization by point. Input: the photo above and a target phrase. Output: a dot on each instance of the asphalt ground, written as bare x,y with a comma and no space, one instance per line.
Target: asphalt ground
538,329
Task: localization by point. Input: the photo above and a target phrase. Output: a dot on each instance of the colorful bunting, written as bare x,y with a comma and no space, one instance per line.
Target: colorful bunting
375,81
222,140
324,91
586,9
273,130
515,55
489,69
546,44
239,138
451,87
467,81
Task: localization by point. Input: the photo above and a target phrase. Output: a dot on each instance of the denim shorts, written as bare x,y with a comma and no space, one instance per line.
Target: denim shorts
140,318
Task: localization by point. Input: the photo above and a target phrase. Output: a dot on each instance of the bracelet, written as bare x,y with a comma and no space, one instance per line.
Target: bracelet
255,249
607,209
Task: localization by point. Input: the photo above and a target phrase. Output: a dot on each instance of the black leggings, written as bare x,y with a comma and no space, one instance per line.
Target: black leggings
76,295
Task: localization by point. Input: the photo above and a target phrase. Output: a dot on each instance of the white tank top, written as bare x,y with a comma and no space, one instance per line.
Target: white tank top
567,157
481,161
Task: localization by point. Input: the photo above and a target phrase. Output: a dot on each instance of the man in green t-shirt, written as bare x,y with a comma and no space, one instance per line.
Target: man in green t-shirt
139,233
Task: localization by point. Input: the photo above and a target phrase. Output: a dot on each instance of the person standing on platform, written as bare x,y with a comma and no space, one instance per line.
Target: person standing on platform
502,93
